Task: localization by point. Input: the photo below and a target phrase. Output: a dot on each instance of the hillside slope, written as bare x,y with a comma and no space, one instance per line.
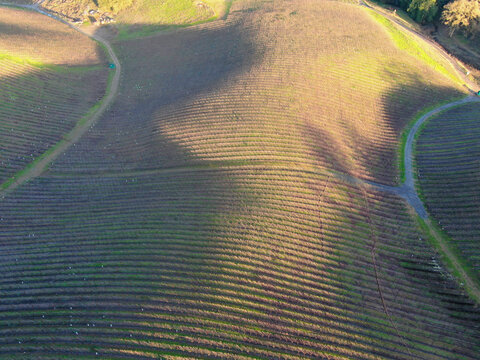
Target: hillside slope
134,17
252,90
204,216
46,85
447,159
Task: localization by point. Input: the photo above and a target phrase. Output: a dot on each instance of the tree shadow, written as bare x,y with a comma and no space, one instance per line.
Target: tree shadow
39,108
44,40
12,30
111,248
161,73
118,248
418,267
40,102
373,155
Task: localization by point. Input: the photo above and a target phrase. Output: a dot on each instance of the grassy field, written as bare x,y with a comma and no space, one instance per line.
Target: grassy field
44,88
204,215
447,159
134,18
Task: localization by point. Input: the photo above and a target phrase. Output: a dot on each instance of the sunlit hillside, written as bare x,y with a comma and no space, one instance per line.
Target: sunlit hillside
212,212
50,76
136,16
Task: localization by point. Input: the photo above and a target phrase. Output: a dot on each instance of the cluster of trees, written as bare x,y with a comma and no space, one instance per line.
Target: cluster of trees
463,15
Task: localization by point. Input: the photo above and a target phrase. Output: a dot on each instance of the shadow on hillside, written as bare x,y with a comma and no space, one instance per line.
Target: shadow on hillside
417,267
10,29
137,254
127,239
69,55
377,161
40,106
162,74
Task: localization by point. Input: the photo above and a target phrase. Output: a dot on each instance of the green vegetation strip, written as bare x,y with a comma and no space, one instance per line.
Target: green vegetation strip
8,183
131,31
52,67
451,257
408,43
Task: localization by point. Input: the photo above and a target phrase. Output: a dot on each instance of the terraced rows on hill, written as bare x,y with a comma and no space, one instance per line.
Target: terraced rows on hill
43,91
44,40
223,263
250,89
203,217
448,164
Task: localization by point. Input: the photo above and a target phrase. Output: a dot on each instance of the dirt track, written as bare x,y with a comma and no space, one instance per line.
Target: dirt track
39,166
406,190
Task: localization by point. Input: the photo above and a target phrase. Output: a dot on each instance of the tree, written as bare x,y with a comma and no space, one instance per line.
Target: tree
462,14
423,11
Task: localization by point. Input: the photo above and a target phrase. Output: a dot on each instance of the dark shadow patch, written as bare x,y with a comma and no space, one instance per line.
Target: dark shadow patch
162,74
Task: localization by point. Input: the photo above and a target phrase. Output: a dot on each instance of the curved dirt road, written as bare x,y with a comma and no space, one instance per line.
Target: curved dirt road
40,165
407,189
472,87
408,157
471,285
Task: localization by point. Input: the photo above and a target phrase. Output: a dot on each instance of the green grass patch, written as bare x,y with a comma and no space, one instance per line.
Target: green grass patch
401,14
447,261
408,43
6,184
22,60
169,15
114,5
44,66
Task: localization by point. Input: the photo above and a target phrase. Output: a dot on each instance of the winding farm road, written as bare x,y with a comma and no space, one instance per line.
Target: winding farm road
407,190
471,285
409,181
41,164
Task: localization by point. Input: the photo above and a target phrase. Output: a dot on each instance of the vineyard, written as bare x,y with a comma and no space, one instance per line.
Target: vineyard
206,214
448,153
44,91
249,90
247,262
